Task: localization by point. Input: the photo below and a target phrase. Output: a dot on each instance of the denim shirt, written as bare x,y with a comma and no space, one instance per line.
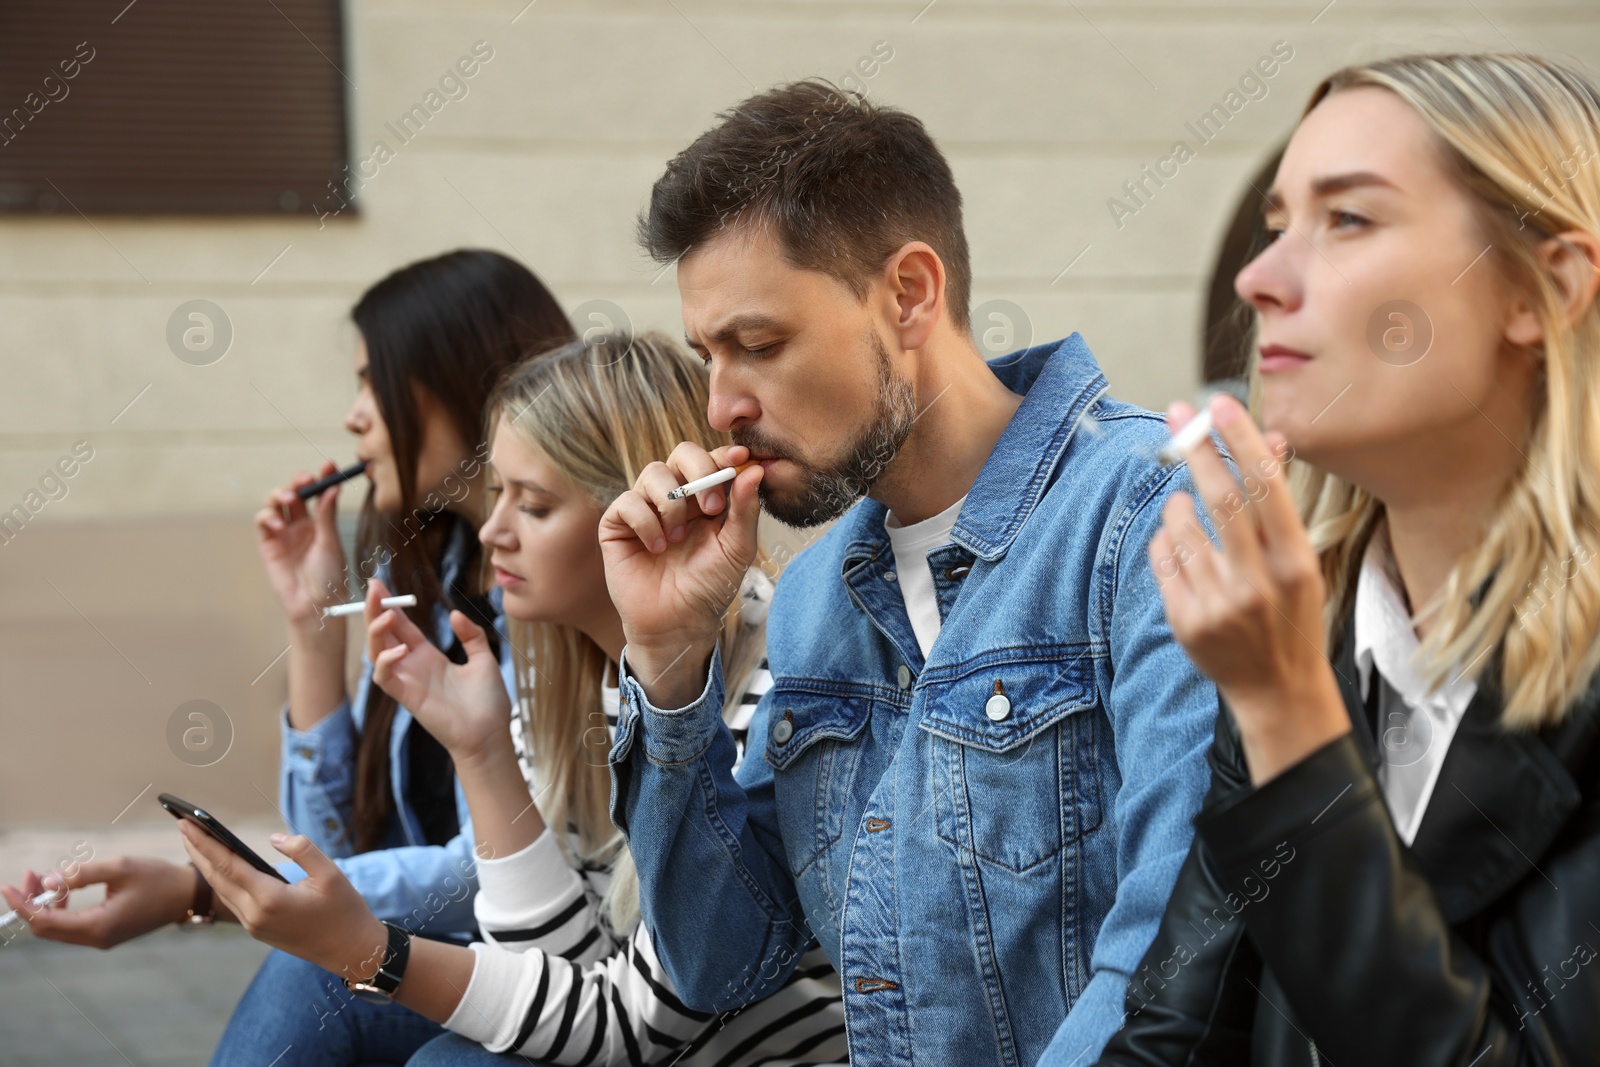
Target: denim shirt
982,842
426,888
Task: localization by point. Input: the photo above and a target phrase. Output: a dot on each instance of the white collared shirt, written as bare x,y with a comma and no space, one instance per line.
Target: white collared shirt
1413,742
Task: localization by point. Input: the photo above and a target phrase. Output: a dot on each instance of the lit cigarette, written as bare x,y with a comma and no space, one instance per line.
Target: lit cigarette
355,607
726,474
1189,434
43,900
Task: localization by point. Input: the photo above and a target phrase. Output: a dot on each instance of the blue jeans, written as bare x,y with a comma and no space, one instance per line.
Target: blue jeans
295,1014
453,1050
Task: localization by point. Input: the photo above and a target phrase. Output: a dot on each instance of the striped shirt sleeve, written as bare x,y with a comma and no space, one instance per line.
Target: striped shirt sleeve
536,899
549,981
622,1010
552,982
615,1010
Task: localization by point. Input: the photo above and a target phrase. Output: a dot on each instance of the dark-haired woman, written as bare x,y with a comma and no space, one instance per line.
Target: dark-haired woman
357,775
368,784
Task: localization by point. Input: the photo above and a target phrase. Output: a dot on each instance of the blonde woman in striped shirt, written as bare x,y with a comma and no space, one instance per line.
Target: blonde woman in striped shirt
567,973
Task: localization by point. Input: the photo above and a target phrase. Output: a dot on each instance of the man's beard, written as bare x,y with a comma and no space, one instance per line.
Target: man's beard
827,492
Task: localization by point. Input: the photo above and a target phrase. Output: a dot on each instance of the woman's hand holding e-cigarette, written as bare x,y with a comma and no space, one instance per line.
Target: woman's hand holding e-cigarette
299,544
464,706
306,565
674,566
1250,613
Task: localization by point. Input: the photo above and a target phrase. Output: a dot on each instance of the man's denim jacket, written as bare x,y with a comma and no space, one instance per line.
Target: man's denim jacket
982,842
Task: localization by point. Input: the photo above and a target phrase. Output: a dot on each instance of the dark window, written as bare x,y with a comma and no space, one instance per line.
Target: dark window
170,106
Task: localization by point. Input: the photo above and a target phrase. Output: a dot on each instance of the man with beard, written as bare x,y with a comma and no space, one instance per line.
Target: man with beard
982,748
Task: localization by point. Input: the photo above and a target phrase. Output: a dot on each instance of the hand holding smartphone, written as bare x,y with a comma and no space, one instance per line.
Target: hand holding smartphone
182,809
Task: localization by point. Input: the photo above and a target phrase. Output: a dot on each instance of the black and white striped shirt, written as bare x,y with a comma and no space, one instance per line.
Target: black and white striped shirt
556,983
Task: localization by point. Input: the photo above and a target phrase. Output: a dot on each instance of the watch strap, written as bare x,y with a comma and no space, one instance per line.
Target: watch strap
203,908
391,969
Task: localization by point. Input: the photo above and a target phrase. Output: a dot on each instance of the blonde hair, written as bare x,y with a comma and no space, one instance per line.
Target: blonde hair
600,411
1510,127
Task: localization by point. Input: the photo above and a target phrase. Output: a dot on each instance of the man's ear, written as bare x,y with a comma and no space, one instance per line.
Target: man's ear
1573,260
916,278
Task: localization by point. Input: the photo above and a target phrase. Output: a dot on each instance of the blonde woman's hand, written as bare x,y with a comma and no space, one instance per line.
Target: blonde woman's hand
674,566
1250,613
464,706
321,919
300,548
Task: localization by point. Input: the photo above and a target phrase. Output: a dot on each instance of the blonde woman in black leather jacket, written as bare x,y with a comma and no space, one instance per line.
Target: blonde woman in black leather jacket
1399,859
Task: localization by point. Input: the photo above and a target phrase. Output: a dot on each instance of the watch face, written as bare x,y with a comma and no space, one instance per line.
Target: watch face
369,993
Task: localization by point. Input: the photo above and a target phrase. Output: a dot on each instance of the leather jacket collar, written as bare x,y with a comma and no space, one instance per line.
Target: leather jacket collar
1501,797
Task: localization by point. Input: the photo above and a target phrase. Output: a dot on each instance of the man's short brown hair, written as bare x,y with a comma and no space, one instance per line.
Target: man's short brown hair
843,182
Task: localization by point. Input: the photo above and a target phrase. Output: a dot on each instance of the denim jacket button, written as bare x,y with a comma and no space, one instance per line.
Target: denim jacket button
997,707
890,576
782,730
904,676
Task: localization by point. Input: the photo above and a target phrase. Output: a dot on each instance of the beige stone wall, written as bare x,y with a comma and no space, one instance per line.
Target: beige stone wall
138,590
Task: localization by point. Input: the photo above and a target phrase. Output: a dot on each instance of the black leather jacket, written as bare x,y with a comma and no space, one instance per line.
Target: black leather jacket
1303,932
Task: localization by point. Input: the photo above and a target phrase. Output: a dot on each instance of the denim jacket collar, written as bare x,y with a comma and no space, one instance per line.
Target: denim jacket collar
1059,382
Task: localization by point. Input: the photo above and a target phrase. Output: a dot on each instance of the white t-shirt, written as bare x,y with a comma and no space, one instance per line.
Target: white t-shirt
1414,740
911,546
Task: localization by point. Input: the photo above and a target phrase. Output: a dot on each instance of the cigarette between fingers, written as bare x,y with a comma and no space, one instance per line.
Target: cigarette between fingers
43,900
355,607
1188,436
726,474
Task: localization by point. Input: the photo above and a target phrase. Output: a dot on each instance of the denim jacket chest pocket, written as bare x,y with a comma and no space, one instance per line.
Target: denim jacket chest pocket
811,744
1014,755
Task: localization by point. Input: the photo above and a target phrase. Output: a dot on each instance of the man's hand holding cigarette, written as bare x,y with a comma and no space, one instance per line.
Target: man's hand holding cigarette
674,566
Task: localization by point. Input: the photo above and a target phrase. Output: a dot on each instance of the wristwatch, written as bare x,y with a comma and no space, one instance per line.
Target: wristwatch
202,910
381,987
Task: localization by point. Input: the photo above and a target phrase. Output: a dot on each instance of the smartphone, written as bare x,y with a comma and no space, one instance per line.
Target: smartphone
182,809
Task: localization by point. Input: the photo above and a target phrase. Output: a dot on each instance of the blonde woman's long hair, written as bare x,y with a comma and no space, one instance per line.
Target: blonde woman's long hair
1522,134
601,410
